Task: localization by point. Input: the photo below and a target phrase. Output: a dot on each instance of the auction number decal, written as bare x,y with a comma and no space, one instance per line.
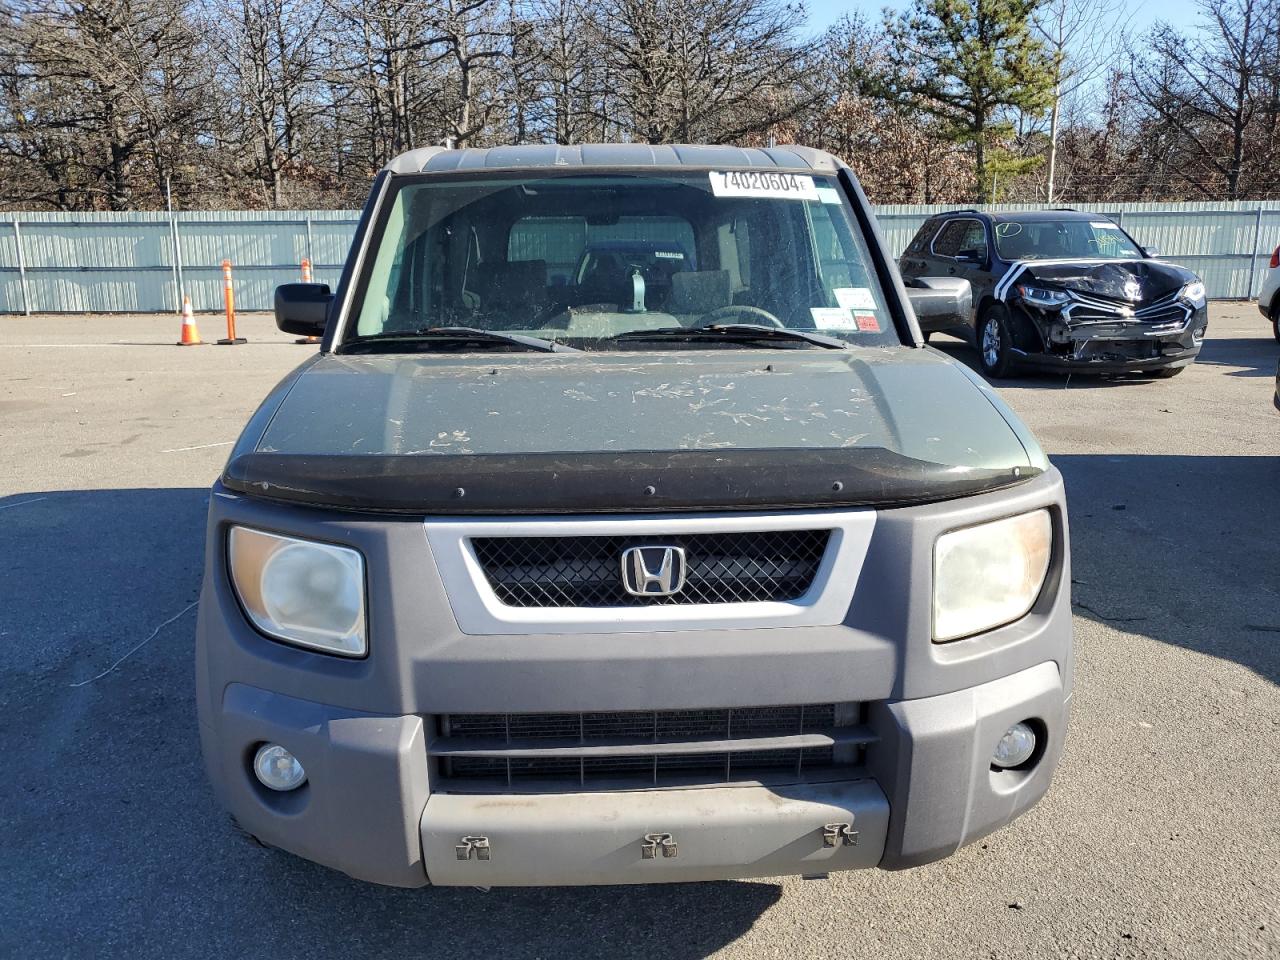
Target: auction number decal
763,183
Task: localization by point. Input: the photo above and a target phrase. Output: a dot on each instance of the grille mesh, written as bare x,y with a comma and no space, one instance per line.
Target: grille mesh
1165,311
740,722
778,565
712,767
644,769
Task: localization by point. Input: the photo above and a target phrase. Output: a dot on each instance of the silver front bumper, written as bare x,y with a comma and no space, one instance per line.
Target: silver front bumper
662,836
367,809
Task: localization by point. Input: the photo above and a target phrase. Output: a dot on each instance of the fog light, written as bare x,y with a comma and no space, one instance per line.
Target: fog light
279,769
1015,747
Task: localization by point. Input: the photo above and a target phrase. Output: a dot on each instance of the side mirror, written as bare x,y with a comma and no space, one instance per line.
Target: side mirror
971,256
303,308
940,302
1151,251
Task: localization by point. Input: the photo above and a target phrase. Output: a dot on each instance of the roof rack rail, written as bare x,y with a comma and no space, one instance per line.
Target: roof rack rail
1065,209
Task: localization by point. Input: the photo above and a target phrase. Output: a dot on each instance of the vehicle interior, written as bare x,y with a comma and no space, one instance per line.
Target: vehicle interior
586,258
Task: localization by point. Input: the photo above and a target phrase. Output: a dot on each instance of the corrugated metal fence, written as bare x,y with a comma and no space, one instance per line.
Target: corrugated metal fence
136,262
125,262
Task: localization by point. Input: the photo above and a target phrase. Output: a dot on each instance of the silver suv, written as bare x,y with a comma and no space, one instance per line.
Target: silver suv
694,565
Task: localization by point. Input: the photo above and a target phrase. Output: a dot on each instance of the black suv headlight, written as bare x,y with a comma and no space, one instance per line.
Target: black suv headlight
1193,293
1042,297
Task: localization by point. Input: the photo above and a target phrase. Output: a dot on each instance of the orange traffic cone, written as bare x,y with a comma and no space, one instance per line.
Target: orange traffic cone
190,335
306,278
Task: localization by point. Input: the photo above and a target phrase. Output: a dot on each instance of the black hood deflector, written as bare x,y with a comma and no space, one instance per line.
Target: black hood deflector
610,482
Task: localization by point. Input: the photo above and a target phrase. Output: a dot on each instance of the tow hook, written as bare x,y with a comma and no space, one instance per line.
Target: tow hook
469,845
839,834
652,841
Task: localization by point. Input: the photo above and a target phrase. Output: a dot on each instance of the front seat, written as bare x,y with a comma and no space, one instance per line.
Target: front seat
513,295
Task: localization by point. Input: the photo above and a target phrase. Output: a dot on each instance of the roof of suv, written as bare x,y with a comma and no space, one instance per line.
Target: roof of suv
698,157
1029,216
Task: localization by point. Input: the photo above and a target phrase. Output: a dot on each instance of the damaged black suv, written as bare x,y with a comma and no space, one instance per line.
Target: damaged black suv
1065,289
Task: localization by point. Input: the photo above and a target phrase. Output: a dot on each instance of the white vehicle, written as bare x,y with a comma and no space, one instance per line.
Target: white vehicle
1269,295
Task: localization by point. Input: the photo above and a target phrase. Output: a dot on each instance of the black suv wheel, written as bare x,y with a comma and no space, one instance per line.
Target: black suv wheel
995,344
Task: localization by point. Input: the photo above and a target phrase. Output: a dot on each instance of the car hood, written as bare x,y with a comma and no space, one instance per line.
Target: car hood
1133,281
653,430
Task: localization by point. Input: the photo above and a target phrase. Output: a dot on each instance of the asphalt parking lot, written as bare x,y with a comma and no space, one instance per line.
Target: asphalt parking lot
1160,837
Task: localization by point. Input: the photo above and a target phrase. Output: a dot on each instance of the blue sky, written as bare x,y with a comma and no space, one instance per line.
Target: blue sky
1181,13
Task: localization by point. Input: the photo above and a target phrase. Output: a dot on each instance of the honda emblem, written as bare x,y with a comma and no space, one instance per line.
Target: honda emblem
653,571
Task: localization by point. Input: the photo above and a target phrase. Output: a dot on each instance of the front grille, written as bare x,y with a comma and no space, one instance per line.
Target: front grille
630,749
1165,314
656,725
1168,310
776,565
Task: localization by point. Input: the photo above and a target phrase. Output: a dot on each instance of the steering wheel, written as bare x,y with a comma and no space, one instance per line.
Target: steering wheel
743,310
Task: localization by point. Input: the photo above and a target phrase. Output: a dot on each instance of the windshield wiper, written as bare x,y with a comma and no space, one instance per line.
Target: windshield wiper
470,335
733,333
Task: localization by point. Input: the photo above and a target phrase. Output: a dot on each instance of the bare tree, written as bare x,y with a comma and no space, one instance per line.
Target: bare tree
268,54
1210,88
569,71
299,102
1082,39
96,88
373,70
716,70
467,37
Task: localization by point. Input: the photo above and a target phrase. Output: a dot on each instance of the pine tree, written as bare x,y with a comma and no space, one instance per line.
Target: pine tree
969,63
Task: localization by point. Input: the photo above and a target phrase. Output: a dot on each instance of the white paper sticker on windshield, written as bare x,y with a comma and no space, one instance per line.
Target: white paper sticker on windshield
763,183
1102,225
668,254
854,298
829,195
832,318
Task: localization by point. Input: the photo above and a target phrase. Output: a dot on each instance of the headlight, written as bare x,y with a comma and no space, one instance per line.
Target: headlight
303,592
989,575
1042,297
1193,293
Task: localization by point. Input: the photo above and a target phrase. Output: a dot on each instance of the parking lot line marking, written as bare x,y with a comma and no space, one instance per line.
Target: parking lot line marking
200,446
154,634
6,506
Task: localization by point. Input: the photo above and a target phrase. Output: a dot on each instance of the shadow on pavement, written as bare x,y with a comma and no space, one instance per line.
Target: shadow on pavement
113,844
1254,356
1185,550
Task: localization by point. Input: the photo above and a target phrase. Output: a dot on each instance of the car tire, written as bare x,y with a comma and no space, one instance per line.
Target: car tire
1275,320
995,345
1164,373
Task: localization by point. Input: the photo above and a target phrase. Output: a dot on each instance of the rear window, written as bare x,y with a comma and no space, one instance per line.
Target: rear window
961,236
567,244
581,259
919,245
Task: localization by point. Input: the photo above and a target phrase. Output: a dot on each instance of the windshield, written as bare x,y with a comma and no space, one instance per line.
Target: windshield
581,260
1064,240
